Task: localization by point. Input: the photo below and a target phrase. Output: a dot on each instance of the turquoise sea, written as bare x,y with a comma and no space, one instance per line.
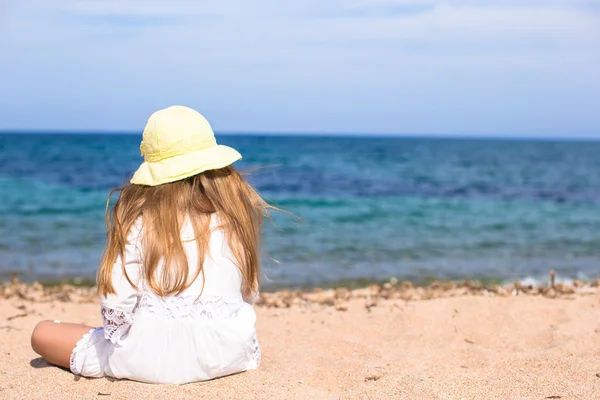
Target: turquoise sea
370,208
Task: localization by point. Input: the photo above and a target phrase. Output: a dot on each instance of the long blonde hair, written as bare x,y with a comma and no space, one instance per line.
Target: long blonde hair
164,208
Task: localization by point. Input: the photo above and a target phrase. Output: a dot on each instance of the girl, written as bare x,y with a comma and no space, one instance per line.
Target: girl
180,268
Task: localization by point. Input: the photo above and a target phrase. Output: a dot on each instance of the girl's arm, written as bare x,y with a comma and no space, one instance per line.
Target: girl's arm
117,309
252,297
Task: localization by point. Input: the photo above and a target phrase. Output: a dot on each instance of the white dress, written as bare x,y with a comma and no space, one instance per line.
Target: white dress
178,339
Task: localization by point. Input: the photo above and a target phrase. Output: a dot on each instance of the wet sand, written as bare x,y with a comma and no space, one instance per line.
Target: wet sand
394,341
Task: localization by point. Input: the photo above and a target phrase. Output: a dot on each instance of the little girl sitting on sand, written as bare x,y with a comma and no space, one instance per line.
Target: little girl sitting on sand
180,268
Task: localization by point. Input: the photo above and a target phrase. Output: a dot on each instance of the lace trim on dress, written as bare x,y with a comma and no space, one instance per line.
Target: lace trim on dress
189,307
116,323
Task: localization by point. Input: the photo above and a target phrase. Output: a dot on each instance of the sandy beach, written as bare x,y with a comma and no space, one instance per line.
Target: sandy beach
446,341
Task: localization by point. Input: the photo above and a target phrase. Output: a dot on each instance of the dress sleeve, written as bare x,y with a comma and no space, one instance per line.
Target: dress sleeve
117,310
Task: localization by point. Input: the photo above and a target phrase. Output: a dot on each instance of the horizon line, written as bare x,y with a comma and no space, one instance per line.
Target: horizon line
358,135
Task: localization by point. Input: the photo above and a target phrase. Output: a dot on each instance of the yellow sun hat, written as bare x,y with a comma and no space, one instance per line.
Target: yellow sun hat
177,143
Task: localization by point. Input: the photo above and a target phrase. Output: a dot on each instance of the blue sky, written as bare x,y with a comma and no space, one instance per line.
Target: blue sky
473,67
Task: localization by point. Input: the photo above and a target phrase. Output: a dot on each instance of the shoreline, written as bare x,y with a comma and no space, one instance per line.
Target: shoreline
336,296
268,285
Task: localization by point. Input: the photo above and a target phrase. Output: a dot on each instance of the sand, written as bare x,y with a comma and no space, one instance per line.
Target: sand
466,344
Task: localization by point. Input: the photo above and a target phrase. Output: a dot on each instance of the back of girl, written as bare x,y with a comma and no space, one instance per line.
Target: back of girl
180,268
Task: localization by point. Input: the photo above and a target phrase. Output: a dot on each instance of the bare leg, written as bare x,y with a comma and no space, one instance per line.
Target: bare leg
55,341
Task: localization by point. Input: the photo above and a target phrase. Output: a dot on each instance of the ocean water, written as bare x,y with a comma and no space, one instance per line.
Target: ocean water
369,208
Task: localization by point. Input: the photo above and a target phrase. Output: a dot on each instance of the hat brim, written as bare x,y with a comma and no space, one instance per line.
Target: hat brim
183,166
